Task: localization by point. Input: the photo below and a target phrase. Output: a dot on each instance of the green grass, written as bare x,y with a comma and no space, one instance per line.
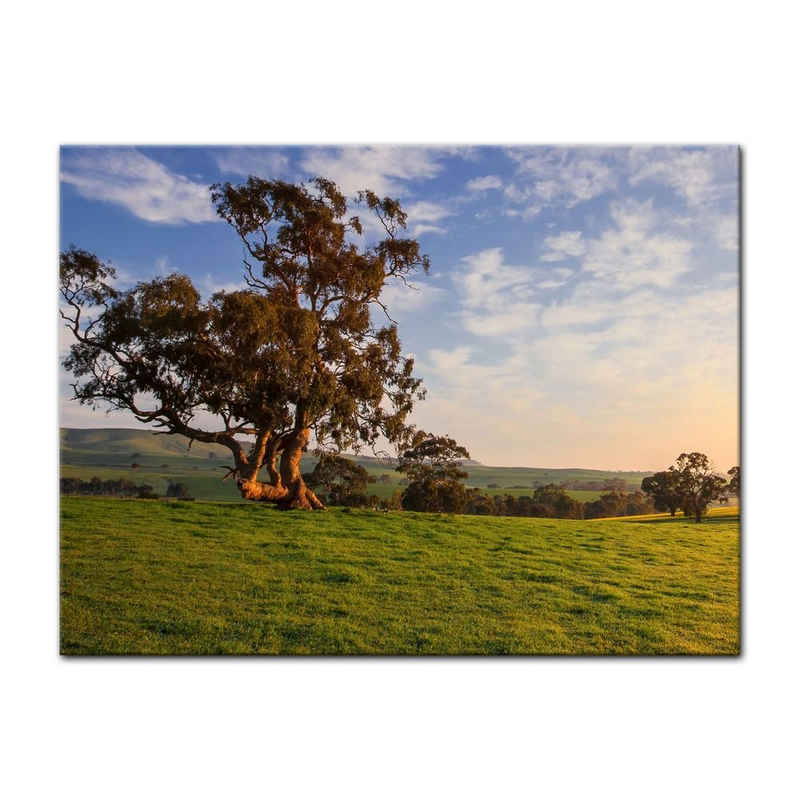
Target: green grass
153,577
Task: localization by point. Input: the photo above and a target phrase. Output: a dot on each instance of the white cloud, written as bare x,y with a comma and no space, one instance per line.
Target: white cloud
632,254
423,216
209,285
591,357
383,169
264,162
566,244
497,298
727,231
564,395
486,279
700,177
558,176
527,213
419,230
397,297
145,187
484,183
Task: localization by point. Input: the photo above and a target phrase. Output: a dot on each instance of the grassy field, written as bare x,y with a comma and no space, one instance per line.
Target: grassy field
156,577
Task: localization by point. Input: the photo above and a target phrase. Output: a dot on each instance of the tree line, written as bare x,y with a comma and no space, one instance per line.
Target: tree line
120,488
433,482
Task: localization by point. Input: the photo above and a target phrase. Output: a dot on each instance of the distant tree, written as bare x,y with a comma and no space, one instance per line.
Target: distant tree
393,503
478,503
618,504
492,486
135,465
95,486
342,480
540,510
733,482
699,485
435,478
179,491
665,490
637,503
557,502
146,492
210,455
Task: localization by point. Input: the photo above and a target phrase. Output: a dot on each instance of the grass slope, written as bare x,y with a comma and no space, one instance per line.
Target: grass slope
154,577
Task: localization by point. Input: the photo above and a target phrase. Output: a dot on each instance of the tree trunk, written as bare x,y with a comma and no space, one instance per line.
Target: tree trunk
298,495
250,487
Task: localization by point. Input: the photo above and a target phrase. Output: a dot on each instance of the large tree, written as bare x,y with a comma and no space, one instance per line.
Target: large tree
295,353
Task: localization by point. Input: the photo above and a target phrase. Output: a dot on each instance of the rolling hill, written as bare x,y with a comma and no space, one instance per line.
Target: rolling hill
109,452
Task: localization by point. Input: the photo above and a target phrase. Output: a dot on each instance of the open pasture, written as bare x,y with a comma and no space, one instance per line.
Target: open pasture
154,577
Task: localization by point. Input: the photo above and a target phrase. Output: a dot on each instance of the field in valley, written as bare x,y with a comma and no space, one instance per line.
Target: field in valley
156,577
109,453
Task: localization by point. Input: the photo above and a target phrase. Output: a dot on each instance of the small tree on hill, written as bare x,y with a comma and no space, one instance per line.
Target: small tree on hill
734,486
699,485
433,466
178,490
665,489
340,478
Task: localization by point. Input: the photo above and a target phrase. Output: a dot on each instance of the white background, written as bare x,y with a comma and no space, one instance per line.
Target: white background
683,72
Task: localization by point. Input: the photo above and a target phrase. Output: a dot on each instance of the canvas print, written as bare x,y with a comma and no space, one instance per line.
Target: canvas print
399,400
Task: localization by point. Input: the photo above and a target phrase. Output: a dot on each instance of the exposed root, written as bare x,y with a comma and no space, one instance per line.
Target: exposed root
303,499
264,492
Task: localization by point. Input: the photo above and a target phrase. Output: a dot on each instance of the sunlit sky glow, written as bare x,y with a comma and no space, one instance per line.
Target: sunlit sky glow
582,306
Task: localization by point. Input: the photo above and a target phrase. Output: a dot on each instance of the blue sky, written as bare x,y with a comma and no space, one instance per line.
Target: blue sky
582,304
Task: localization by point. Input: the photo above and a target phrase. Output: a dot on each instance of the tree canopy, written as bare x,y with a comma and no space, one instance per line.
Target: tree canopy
665,490
295,353
433,466
734,482
698,483
690,483
343,480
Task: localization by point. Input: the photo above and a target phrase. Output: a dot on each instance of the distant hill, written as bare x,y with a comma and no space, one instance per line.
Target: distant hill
119,447
120,444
